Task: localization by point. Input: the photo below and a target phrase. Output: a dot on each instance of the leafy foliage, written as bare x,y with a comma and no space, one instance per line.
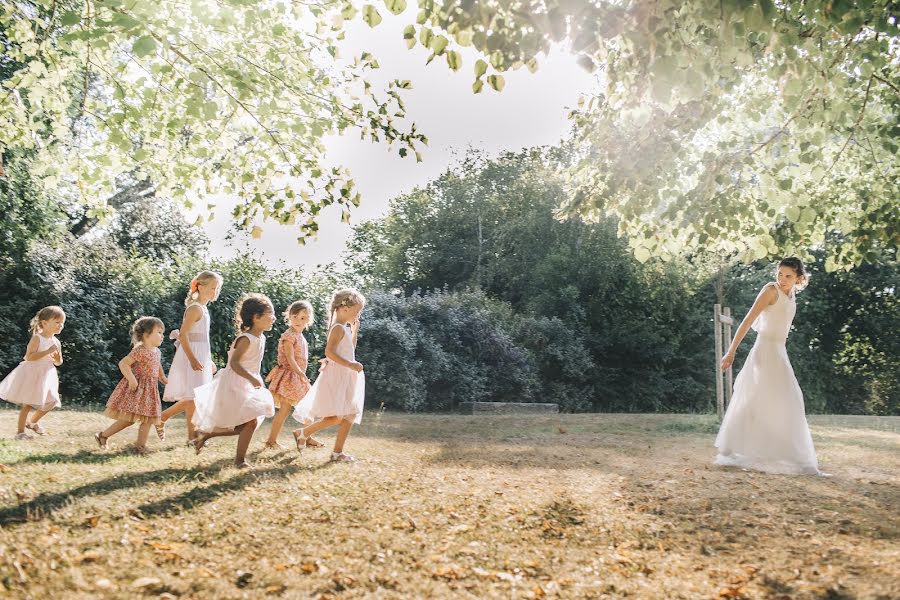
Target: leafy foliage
745,129
197,96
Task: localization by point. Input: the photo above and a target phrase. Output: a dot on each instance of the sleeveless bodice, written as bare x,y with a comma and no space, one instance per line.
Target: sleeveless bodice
198,336
252,358
345,347
45,343
774,323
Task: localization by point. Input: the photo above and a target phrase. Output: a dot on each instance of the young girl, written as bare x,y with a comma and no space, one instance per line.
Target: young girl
236,402
288,381
136,398
337,396
34,384
192,365
765,426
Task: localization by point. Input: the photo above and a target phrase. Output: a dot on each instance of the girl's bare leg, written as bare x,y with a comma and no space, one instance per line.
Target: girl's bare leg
38,415
23,418
284,409
202,438
246,434
143,432
325,423
178,407
343,432
189,415
115,428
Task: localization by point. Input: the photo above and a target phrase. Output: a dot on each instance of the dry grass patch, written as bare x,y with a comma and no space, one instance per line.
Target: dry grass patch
571,506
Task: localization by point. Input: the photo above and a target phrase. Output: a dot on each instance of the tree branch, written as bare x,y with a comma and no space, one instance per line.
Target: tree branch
855,125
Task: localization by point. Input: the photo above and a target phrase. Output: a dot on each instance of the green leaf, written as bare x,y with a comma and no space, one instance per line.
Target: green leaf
792,213
72,17
125,21
477,86
454,60
143,46
496,81
641,254
464,37
409,34
395,6
371,15
786,184
438,43
480,68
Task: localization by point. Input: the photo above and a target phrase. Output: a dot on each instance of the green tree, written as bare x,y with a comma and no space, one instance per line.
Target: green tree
746,129
195,96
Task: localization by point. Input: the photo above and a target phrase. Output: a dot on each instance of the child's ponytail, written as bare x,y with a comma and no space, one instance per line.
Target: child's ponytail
201,278
45,314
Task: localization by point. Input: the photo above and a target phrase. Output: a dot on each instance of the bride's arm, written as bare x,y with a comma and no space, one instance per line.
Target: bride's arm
767,296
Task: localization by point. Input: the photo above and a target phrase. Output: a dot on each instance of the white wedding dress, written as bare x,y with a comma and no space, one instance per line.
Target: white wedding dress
765,426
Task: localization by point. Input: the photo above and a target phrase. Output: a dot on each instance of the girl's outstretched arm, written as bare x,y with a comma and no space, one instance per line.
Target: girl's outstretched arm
240,347
32,353
125,367
192,314
767,296
162,376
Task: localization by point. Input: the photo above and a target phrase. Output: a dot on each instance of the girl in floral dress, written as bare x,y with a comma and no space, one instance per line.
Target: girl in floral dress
288,381
136,398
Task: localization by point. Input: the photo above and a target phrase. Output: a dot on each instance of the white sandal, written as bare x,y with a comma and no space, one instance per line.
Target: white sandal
341,457
35,427
300,439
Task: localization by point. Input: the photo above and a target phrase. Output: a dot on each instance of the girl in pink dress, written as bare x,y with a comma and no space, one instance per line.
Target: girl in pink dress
136,398
337,396
288,381
34,384
235,402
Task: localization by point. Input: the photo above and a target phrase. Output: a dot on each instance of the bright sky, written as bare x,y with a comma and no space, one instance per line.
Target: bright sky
531,111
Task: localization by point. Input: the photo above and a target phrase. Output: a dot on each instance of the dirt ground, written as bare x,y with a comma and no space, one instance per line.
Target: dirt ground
571,506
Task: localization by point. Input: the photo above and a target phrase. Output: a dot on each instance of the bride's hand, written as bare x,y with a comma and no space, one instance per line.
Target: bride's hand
727,360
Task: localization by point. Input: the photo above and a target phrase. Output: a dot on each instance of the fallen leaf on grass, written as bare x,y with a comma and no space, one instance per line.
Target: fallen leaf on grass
275,590
104,584
733,591
92,521
449,572
145,582
243,579
89,556
342,582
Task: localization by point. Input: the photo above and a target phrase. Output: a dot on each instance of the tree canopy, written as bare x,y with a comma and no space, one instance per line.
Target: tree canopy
741,128
195,96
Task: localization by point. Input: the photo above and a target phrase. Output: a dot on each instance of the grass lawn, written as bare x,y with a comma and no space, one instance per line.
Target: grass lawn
570,506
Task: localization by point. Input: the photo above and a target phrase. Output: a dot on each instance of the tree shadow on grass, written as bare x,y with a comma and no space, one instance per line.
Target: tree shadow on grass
522,456
84,457
44,504
199,495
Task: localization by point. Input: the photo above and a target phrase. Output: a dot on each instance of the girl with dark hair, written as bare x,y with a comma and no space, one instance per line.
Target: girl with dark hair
235,402
765,425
